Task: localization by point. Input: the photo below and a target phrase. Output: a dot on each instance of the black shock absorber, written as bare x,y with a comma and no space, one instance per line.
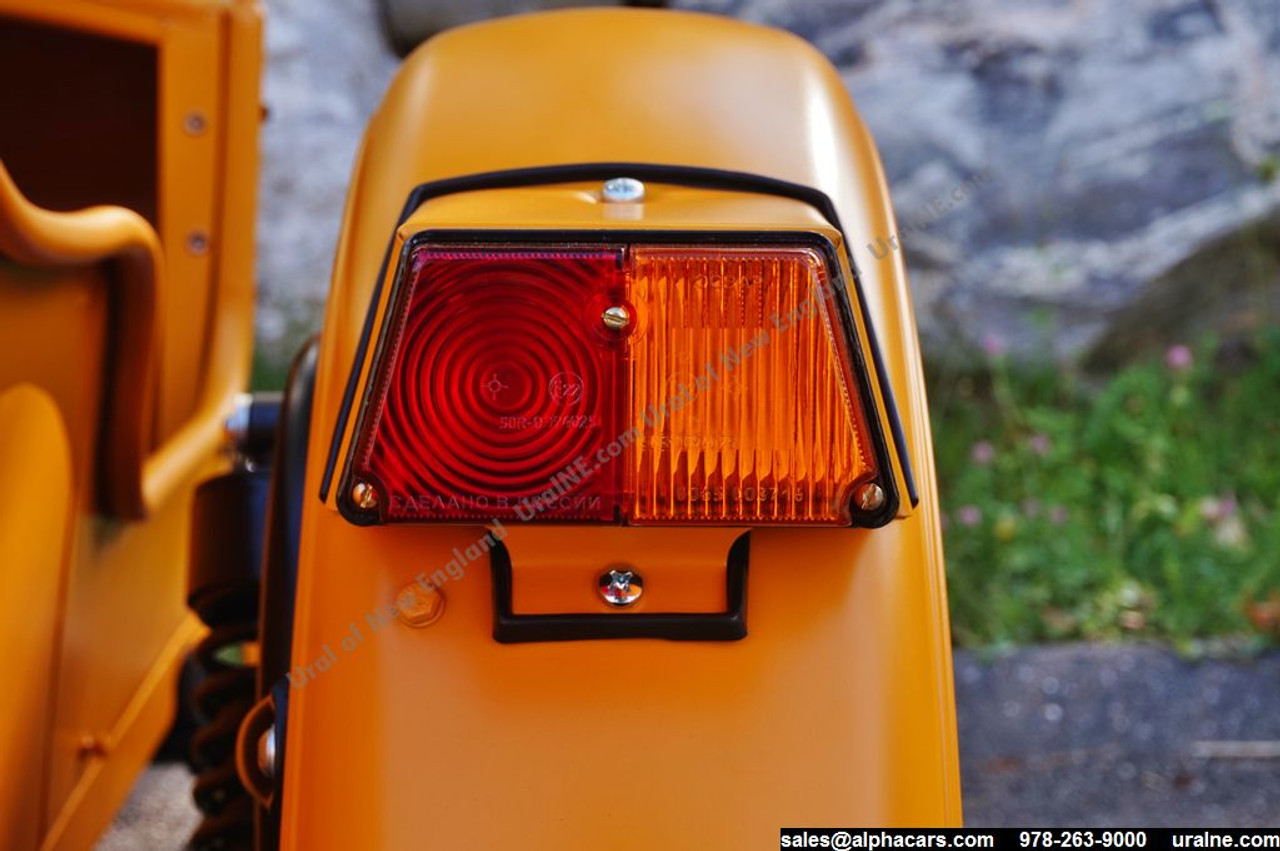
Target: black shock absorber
228,522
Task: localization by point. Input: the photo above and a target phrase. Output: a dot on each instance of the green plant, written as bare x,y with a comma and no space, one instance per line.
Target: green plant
1268,168
267,373
1144,507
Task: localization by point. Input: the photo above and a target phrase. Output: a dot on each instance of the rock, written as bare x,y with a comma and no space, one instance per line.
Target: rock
327,67
1128,149
1116,163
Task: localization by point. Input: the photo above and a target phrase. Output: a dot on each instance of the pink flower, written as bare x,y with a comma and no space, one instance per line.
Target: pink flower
1040,443
1058,515
1216,509
969,515
993,345
1178,358
982,453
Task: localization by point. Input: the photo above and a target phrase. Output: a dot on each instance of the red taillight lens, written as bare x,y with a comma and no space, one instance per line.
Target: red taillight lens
720,389
495,380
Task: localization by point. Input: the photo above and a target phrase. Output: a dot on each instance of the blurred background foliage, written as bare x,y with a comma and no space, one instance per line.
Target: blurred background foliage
1140,504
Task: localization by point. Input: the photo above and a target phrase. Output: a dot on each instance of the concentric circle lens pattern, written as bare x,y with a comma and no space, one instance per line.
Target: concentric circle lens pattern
499,392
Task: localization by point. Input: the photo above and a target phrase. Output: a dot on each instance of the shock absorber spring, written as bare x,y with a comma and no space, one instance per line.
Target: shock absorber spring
224,588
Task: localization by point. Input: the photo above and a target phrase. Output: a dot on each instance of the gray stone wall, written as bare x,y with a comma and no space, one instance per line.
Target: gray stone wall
1073,178
327,67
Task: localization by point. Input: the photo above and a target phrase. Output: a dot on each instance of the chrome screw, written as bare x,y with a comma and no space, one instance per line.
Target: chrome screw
623,189
194,123
364,496
870,497
621,587
616,318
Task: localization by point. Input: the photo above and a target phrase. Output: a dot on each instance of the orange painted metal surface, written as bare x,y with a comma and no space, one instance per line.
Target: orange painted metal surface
136,340
34,535
39,239
837,708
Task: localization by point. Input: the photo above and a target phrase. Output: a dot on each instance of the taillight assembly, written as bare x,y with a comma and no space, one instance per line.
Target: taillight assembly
624,383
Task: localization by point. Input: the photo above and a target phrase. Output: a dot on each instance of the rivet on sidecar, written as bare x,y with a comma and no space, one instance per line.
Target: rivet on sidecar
623,190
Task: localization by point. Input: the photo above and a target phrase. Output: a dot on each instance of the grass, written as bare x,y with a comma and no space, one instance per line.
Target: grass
268,373
1142,506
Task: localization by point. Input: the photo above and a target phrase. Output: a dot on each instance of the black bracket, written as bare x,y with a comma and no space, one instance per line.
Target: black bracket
729,625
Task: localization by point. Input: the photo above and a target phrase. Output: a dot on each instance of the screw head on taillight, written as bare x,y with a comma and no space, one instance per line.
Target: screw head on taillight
616,318
870,497
364,496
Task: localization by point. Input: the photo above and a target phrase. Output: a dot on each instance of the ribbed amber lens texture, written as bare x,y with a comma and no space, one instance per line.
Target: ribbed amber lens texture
742,404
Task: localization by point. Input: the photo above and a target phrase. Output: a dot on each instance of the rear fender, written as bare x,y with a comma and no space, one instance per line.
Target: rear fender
836,707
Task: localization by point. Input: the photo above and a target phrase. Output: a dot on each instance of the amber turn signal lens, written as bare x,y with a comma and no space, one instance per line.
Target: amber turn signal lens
740,390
